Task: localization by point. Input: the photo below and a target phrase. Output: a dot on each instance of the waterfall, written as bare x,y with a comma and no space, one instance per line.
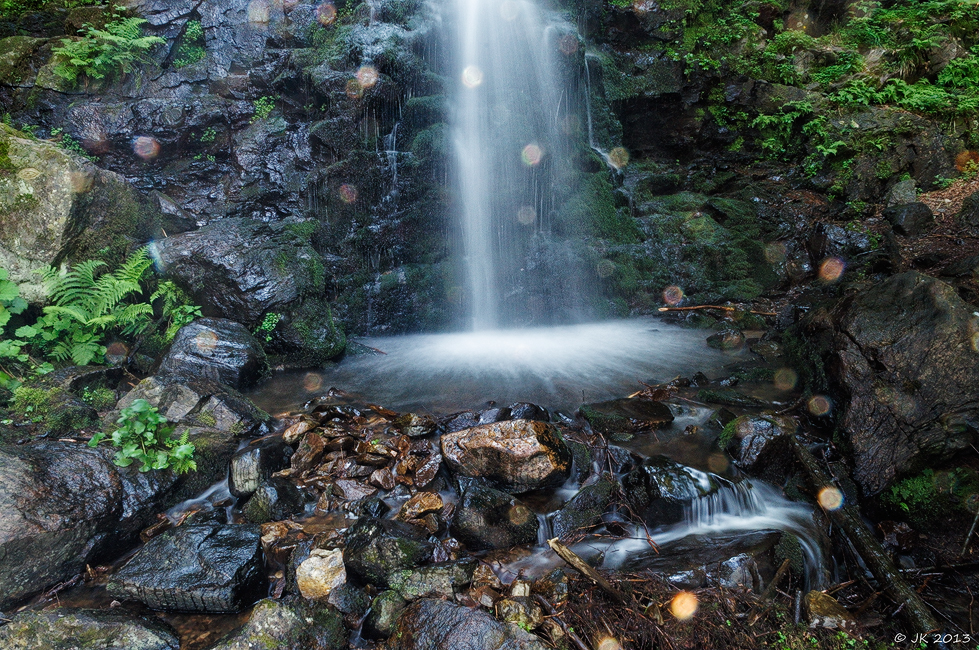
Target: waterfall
510,141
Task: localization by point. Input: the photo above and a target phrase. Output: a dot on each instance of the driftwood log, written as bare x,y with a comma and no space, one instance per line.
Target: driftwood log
847,518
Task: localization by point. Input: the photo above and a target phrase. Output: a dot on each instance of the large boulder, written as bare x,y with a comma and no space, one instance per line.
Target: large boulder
430,624
197,568
760,444
68,628
968,215
486,519
375,549
66,505
515,455
907,361
289,624
243,268
585,509
216,349
56,205
910,219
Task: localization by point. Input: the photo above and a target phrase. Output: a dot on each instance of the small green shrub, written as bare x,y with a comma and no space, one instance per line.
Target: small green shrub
105,53
265,328
191,48
263,107
100,399
178,308
144,435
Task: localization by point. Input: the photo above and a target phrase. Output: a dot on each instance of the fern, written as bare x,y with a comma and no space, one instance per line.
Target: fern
85,305
103,53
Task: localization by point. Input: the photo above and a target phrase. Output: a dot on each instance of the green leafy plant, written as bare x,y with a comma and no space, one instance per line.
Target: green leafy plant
99,399
105,53
265,328
178,308
69,143
145,436
11,349
191,48
85,306
263,107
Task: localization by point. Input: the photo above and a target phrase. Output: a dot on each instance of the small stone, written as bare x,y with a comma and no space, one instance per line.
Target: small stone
414,425
295,432
353,490
521,588
420,505
321,573
522,611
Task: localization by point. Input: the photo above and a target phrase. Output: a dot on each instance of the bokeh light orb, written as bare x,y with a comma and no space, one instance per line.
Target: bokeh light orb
312,382
568,45
519,515
672,295
717,463
619,157
605,268
258,13
775,252
326,13
348,193
532,154
206,342
684,605
146,147
819,405
472,76
355,90
608,643
830,498
526,215
831,269
785,378
367,75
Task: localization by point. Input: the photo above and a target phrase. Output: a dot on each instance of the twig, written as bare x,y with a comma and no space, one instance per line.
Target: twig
750,311
564,626
585,569
760,607
972,529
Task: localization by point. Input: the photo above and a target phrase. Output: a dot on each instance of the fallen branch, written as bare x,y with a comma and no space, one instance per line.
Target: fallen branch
968,538
761,606
564,626
847,517
750,311
582,567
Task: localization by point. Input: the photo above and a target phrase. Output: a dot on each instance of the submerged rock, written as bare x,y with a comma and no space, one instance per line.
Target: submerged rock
216,349
439,625
289,624
825,611
627,415
202,568
659,489
516,455
487,519
377,548
906,358
585,509
67,628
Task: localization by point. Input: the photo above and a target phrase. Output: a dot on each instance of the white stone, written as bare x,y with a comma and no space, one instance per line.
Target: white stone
321,573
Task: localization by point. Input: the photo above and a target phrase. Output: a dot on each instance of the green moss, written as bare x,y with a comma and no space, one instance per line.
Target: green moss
32,403
100,399
6,165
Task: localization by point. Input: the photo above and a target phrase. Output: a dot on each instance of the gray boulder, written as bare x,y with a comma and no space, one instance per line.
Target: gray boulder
289,624
376,548
216,349
198,568
906,360
430,624
69,628
968,215
910,219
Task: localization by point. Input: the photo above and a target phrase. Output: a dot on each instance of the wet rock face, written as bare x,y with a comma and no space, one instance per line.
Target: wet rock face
375,549
969,214
256,462
660,488
585,509
275,499
761,444
65,504
66,628
198,568
242,269
907,358
486,519
516,455
216,349
289,624
439,625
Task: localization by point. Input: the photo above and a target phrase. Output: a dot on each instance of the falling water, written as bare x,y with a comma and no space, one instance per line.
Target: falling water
510,105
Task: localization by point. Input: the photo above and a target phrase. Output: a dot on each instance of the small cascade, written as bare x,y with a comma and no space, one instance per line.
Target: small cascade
545,530
206,500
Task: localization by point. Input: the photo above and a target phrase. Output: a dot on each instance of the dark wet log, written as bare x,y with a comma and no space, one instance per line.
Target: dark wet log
847,517
586,570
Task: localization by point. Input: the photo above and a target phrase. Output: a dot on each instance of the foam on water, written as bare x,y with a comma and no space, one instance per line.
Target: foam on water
557,367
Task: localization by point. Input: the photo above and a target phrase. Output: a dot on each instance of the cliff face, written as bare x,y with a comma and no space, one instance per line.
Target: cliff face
761,138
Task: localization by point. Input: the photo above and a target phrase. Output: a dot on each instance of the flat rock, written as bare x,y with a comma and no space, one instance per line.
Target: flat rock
65,629
516,455
198,568
627,415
